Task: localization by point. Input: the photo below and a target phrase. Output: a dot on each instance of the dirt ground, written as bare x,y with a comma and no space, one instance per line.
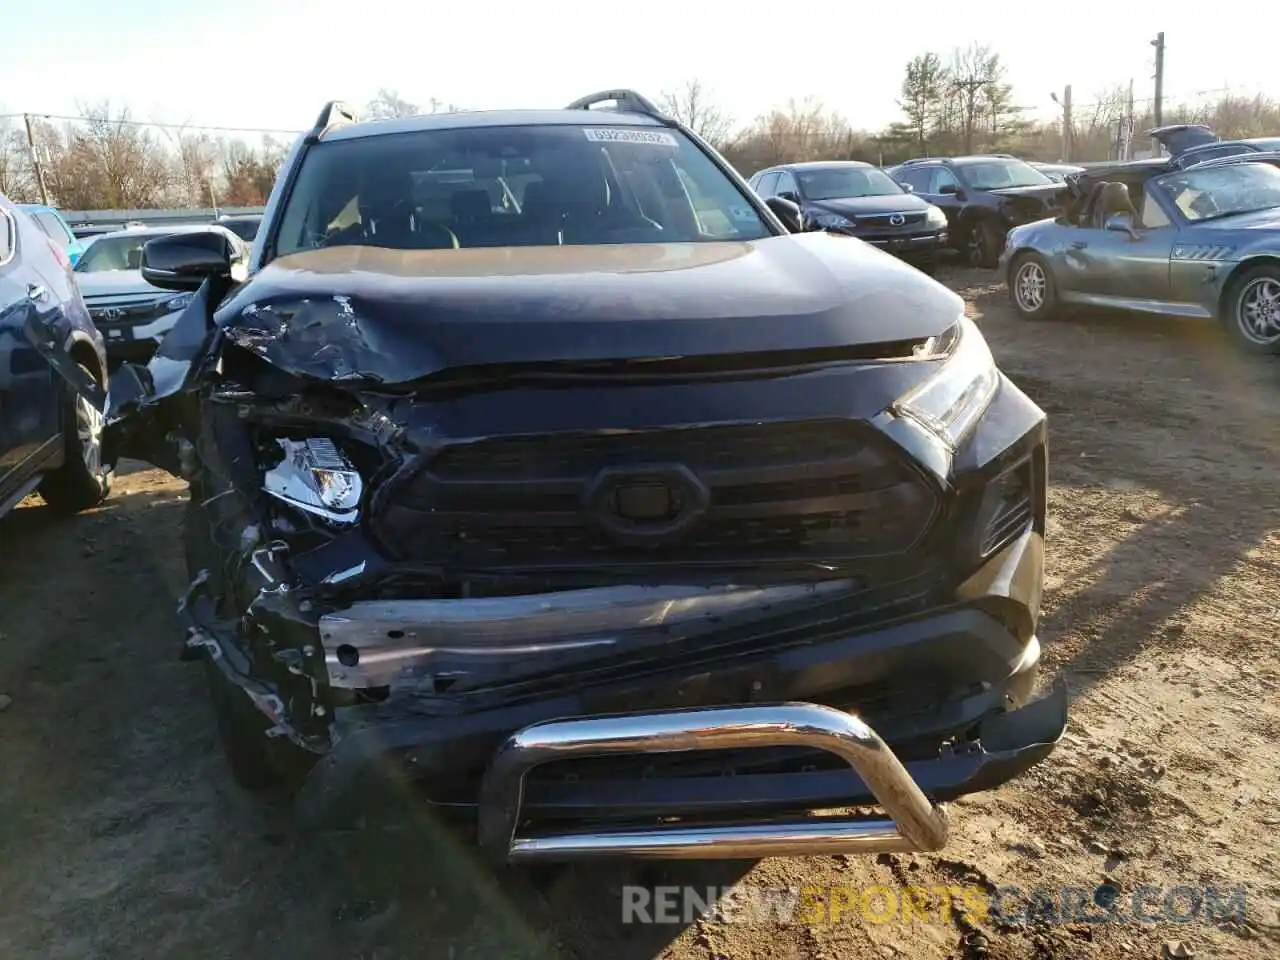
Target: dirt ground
122,835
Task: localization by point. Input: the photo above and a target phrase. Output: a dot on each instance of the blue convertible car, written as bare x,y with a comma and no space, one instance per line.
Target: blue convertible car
1199,242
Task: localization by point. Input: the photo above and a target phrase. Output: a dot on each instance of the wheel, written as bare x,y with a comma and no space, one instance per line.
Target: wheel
258,763
242,730
1253,310
1031,287
83,481
983,244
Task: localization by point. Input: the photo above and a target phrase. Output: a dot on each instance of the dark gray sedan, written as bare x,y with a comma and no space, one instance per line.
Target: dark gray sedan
1201,242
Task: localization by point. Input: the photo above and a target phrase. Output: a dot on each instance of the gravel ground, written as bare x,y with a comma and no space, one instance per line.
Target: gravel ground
122,835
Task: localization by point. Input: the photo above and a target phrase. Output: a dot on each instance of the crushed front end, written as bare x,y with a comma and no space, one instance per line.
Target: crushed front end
585,605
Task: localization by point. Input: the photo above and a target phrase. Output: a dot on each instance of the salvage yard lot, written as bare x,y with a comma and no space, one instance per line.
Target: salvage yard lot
122,836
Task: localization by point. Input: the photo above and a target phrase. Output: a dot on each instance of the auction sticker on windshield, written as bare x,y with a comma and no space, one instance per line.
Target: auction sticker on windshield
656,138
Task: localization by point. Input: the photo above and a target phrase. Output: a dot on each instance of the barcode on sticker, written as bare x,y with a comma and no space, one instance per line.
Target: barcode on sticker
657,138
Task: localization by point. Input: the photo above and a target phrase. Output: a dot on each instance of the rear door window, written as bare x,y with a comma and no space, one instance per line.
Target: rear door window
52,226
8,238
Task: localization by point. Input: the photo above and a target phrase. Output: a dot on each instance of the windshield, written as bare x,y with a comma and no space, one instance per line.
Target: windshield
997,174
1207,194
114,253
511,187
244,229
840,182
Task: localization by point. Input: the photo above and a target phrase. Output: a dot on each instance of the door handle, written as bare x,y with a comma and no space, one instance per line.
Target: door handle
37,291
1078,244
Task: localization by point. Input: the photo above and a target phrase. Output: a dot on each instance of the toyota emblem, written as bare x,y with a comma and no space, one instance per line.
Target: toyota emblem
111,313
897,220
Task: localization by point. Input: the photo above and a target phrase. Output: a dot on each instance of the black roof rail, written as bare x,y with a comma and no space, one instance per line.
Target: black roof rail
628,101
335,113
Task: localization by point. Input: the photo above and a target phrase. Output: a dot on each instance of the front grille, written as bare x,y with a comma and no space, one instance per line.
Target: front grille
808,490
122,310
883,220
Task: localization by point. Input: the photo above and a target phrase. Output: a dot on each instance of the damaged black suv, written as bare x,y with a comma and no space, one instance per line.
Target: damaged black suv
537,464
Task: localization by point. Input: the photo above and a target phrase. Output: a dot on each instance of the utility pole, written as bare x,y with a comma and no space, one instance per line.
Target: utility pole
35,161
970,102
1131,124
1066,124
1158,103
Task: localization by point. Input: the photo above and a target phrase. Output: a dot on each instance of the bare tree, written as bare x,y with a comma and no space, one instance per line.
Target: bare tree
973,69
388,104
693,106
195,163
15,162
115,163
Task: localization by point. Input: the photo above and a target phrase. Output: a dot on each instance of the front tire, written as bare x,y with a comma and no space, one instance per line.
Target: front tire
983,245
1253,310
1031,287
258,763
83,480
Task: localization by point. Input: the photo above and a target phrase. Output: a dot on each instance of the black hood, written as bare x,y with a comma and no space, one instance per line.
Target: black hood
1049,192
867,206
363,313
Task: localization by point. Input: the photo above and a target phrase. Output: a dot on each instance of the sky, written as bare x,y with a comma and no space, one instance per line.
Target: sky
274,63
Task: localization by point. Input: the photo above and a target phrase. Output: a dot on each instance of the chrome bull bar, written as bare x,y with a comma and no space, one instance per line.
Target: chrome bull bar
911,821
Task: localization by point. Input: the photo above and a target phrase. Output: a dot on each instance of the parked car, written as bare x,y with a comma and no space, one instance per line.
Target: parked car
133,314
859,200
566,507
55,227
245,227
1204,243
85,232
1189,144
50,434
983,197
1057,172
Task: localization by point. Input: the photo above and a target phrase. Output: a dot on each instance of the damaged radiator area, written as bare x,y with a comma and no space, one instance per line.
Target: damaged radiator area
307,613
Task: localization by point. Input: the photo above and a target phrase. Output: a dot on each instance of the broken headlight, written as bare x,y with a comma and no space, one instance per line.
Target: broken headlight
316,477
952,399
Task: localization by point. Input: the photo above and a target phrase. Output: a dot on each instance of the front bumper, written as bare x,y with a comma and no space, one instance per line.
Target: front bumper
913,247
726,754
134,340
911,820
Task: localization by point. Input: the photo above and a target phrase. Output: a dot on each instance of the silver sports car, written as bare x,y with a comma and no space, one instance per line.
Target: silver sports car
1201,242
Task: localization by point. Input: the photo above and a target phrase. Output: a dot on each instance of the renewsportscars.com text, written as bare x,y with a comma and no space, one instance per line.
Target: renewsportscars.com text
1146,904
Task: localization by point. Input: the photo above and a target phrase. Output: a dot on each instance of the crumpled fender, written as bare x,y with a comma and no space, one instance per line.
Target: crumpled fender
136,401
326,338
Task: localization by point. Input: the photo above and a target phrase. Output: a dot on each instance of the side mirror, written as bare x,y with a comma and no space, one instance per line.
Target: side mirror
786,211
951,190
186,260
906,187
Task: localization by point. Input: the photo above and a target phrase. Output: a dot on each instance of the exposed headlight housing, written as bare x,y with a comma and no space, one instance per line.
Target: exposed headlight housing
830,221
315,476
935,217
951,400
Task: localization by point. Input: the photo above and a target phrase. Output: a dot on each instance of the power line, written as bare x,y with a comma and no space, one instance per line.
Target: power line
149,123
1180,97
